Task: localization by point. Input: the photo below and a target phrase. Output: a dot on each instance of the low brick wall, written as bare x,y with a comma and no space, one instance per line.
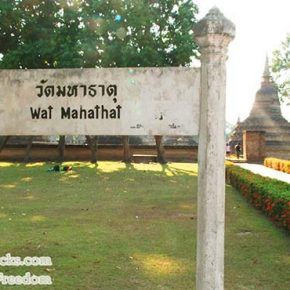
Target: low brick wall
49,152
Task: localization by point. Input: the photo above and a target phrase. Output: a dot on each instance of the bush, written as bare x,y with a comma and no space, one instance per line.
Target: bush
268,195
278,164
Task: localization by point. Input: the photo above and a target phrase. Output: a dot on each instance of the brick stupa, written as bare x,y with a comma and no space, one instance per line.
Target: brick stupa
266,116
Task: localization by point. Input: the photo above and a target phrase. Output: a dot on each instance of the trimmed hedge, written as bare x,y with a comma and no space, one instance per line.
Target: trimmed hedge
269,195
278,164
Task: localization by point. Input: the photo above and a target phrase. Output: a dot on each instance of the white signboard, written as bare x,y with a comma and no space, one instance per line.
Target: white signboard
113,101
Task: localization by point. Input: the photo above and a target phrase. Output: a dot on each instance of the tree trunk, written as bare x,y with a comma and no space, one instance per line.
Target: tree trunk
3,142
28,150
93,144
126,145
61,147
160,149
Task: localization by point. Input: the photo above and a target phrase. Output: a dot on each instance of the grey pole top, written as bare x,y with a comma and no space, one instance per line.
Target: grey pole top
214,23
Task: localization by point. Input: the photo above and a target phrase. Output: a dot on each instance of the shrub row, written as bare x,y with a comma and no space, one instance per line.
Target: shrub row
269,195
278,164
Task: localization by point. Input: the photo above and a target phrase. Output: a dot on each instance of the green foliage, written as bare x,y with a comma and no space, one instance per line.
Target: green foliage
96,33
281,69
269,195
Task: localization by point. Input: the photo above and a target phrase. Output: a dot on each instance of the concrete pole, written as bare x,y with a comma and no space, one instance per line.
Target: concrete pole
213,34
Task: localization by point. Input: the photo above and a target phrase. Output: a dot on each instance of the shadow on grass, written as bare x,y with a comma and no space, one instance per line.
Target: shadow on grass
114,226
106,226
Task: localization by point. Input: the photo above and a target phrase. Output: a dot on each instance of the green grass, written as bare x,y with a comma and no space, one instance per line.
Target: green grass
118,227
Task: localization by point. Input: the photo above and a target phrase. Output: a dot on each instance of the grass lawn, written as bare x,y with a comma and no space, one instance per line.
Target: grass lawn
112,227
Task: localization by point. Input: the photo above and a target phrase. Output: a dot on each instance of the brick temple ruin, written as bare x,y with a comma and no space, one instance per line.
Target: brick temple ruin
265,124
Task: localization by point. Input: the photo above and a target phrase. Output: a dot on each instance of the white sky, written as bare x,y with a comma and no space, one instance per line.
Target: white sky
261,26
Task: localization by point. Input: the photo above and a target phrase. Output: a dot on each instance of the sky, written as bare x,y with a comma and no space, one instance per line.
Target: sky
261,26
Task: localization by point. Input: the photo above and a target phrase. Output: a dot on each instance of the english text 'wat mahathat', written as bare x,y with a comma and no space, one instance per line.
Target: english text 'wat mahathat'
265,121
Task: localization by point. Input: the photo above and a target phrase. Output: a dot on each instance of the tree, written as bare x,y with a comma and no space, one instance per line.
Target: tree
39,34
281,69
96,33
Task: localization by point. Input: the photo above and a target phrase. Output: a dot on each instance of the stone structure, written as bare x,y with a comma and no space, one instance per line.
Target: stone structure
254,145
213,35
266,116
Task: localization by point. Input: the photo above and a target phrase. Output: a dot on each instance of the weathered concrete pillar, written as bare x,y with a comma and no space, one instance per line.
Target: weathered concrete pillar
254,145
213,34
